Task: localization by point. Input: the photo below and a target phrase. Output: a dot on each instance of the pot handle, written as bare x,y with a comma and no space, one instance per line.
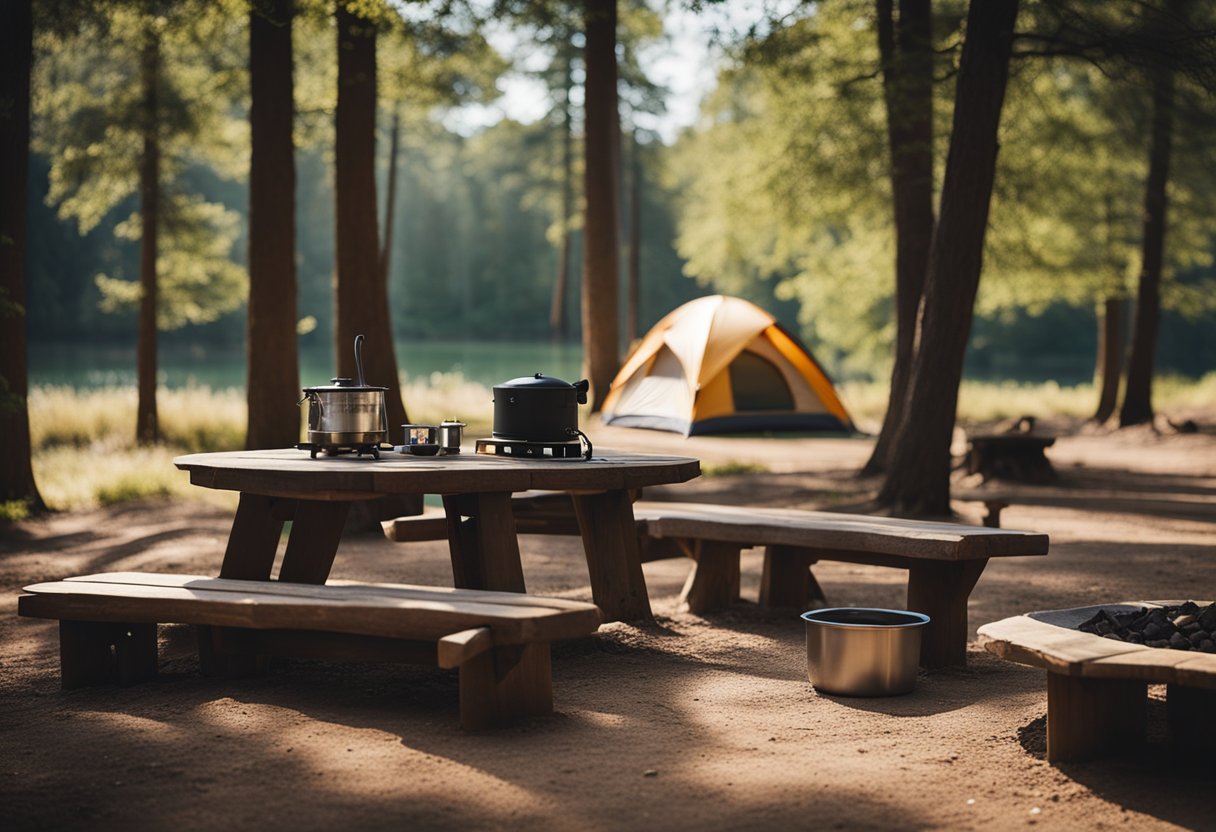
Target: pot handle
580,389
583,440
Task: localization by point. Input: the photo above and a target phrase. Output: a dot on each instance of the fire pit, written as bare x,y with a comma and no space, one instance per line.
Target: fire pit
1097,684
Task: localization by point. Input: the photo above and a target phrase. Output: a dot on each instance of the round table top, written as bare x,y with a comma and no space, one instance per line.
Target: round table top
292,472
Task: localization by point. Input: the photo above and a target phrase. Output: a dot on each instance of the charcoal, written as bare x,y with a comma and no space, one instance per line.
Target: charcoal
1103,628
1207,618
1135,638
1141,622
1124,619
1208,646
1114,636
1179,642
1188,608
1155,631
1197,639
1158,643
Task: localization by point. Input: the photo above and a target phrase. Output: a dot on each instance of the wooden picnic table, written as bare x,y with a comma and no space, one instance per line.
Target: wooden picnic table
315,495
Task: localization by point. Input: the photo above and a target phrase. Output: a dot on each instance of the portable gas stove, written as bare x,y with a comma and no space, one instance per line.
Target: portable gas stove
533,450
373,449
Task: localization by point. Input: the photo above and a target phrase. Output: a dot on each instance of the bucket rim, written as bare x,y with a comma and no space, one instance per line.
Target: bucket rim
913,619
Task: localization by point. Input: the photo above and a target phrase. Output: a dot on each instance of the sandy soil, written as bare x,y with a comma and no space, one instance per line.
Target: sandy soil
690,722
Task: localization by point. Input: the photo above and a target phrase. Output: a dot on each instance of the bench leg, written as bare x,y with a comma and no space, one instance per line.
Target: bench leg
505,684
92,653
713,582
228,652
787,580
1087,717
940,590
1192,716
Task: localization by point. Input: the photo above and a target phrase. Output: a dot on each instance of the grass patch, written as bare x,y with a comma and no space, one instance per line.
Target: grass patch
12,511
731,469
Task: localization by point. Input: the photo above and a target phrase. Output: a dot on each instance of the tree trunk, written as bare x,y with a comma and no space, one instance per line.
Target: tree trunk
918,474
600,312
557,308
906,49
1110,357
360,291
633,291
16,57
273,379
1138,397
390,197
147,430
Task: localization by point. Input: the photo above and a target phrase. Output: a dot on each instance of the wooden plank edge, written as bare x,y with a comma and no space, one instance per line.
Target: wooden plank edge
457,648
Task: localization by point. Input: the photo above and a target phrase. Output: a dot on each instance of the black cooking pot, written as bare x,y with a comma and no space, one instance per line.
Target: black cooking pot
538,408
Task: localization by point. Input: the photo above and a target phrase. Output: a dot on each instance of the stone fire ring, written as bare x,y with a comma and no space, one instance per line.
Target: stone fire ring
1097,688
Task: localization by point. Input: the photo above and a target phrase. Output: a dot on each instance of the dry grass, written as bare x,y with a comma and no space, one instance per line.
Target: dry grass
85,453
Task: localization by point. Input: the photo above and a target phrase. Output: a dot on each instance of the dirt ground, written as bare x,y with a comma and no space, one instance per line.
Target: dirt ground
692,722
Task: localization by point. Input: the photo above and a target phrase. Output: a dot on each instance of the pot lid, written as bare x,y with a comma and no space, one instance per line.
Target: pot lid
537,381
346,385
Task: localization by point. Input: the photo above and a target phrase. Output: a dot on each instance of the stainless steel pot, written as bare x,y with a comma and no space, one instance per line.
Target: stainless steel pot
450,434
347,411
857,651
538,408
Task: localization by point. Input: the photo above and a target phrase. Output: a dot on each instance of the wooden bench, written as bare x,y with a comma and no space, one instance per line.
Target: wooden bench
498,640
944,560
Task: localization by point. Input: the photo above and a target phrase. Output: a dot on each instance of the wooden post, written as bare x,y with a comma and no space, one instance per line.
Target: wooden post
939,589
253,540
505,684
786,580
1087,717
315,532
483,542
713,582
614,563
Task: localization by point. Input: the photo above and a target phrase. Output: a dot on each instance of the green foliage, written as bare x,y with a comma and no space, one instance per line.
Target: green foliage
94,118
13,511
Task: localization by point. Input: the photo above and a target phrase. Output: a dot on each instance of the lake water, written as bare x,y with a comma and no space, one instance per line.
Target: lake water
88,367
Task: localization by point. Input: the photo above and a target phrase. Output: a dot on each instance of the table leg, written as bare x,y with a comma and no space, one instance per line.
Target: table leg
610,542
313,543
483,542
1086,716
940,590
254,538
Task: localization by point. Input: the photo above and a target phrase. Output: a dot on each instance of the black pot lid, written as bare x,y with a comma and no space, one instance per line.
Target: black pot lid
537,381
343,385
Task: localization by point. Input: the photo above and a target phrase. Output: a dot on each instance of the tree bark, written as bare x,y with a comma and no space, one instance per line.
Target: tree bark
1110,358
600,313
634,283
390,196
1138,397
558,321
906,49
360,291
273,378
918,474
16,57
147,429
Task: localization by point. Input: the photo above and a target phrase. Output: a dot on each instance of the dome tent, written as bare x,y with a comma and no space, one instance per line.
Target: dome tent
721,364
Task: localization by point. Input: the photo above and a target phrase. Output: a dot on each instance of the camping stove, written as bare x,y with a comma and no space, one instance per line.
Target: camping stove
358,449
533,450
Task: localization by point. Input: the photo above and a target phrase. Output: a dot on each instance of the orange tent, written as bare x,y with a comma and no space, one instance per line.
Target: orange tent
721,364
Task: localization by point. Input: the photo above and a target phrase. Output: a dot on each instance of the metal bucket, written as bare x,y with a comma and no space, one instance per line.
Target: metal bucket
859,651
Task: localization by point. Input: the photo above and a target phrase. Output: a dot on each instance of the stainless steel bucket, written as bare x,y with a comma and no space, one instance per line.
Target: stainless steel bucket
859,651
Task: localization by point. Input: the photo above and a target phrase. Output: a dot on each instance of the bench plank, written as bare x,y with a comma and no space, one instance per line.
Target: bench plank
415,614
499,641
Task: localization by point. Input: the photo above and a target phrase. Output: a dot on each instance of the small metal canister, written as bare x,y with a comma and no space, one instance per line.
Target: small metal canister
450,433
